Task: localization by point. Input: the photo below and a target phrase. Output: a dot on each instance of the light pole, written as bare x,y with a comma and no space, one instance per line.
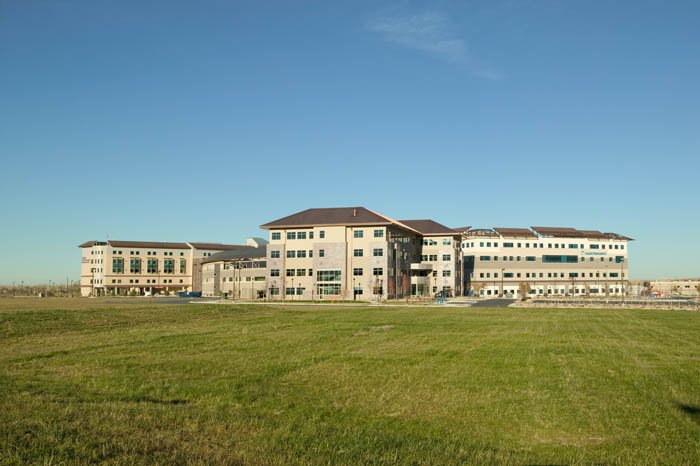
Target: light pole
502,275
354,294
622,282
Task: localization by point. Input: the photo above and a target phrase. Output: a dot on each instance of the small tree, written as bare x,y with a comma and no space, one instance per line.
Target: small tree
477,287
406,287
391,289
524,289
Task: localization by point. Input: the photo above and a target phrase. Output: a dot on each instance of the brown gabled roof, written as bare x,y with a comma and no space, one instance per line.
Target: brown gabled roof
218,246
593,234
329,216
617,236
462,229
429,227
557,232
515,232
148,244
89,244
560,232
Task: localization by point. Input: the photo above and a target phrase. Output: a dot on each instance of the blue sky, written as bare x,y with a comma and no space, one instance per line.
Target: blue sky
182,121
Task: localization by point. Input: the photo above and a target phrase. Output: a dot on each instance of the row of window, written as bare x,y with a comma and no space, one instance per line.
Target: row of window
550,275
561,291
552,259
276,235
432,242
247,279
494,244
136,281
330,275
151,265
148,253
434,257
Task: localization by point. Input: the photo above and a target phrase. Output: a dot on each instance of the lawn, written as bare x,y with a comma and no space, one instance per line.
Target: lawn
87,381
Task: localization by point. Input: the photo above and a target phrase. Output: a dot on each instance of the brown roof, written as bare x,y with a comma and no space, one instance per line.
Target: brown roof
617,236
462,229
330,216
218,246
89,244
516,232
163,245
593,234
429,227
557,231
148,244
560,232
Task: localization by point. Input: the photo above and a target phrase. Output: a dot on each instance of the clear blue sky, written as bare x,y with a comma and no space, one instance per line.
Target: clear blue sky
199,121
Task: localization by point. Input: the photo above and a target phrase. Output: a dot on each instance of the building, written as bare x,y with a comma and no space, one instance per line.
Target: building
344,252
544,261
238,273
356,253
440,265
142,267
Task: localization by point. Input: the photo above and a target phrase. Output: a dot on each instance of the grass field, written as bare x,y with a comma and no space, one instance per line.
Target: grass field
82,382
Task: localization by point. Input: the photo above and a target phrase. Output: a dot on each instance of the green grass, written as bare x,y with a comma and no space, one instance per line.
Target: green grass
85,382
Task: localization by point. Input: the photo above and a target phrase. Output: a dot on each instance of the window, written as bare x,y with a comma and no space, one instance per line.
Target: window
328,275
357,290
619,259
377,271
183,265
301,272
508,275
300,290
357,252
358,233
311,235
530,258
135,266
301,235
301,253
446,257
488,244
481,244
485,258
152,266
329,289
274,291
321,234
424,258
613,275
311,253
378,252
290,272
573,246
291,235
446,242
291,254
289,291
117,265
593,246
168,265
357,272
446,273
572,274
378,234
274,254
275,235
432,257
274,272
507,245
321,253
559,259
